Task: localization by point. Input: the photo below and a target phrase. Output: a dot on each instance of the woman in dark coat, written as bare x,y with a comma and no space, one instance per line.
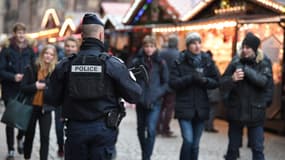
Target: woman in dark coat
33,85
191,75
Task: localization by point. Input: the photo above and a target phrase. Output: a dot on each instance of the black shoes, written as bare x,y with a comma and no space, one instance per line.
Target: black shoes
60,152
168,134
20,143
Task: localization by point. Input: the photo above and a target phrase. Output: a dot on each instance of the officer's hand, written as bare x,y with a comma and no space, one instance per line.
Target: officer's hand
40,85
18,77
238,75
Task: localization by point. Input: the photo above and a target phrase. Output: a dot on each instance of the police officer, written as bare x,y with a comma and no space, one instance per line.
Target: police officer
89,86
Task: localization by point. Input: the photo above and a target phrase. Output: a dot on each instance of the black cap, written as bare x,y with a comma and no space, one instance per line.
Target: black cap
251,41
90,18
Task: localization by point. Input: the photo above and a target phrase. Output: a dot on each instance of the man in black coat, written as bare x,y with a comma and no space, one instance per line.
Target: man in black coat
247,86
169,54
13,59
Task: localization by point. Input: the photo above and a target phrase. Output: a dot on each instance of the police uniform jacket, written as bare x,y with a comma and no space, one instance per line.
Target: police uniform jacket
246,100
121,85
191,94
13,60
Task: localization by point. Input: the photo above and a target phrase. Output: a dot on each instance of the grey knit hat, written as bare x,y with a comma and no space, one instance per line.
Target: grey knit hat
192,37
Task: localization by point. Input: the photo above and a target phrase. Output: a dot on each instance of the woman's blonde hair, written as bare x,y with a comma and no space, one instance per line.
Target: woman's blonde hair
40,60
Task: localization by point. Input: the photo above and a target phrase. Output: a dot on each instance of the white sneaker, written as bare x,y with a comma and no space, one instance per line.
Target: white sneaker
20,143
11,155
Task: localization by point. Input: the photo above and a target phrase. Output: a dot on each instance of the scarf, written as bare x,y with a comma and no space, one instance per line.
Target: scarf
39,96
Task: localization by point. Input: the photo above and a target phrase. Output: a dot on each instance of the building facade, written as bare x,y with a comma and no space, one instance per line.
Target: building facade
31,12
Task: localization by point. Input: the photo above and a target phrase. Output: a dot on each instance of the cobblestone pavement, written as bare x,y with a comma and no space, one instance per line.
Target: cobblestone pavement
212,147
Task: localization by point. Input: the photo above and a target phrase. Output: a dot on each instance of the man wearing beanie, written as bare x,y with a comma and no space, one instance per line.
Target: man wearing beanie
247,87
88,86
192,74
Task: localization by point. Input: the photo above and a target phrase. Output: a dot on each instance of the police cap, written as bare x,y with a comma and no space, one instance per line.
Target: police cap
90,18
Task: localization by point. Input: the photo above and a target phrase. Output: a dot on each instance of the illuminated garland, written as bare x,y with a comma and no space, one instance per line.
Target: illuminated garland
235,9
141,11
67,22
218,25
50,12
43,33
273,5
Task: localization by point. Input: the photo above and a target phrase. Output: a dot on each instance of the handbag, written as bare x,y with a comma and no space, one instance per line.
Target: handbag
17,114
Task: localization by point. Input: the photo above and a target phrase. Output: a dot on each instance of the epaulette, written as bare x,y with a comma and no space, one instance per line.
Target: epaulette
104,56
66,60
118,59
71,56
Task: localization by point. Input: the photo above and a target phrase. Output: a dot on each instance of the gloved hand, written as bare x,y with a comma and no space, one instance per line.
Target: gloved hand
188,78
199,78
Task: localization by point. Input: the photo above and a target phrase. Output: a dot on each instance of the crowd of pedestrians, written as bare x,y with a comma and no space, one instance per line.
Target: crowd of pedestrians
186,85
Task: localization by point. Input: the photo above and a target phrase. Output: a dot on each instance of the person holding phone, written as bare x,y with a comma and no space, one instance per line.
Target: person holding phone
191,75
36,77
247,87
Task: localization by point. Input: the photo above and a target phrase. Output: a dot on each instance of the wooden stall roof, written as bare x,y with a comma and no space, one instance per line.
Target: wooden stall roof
187,10
140,7
272,6
113,14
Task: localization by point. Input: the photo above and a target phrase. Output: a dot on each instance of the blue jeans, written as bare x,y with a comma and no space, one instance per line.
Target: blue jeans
256,139
147,121
89,140
59,126
191,131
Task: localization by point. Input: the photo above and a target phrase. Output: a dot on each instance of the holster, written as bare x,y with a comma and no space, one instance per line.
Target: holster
114,117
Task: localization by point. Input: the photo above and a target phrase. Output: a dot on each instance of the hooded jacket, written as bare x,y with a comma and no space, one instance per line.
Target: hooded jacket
247,100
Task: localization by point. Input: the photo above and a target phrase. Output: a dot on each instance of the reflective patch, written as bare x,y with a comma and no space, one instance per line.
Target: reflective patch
118,59
86,68
132,76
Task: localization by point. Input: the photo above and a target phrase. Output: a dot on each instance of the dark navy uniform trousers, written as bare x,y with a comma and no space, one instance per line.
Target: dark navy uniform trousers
89,140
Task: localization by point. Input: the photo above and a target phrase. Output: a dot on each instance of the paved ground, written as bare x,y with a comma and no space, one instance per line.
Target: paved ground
213,146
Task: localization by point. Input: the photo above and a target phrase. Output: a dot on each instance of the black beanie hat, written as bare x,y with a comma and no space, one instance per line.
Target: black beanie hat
90,18
251,41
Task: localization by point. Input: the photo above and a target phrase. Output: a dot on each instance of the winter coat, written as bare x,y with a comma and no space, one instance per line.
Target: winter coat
169,55
158,79
13,60
28,84
191,92
214,95
246,100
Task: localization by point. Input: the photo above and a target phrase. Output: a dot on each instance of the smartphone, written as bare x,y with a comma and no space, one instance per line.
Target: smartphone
42,81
